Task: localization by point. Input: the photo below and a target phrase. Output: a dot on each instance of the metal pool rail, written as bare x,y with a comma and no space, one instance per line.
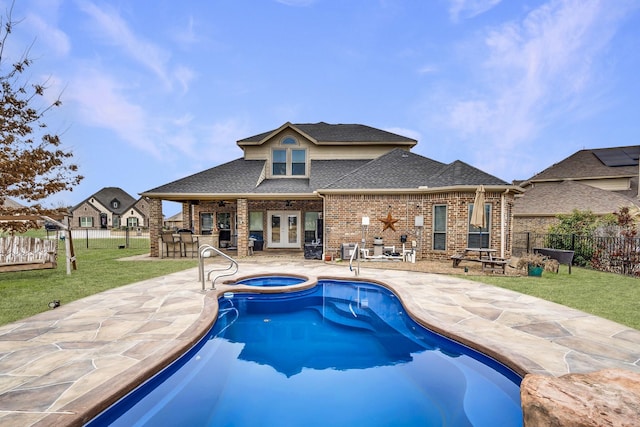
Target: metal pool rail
205,251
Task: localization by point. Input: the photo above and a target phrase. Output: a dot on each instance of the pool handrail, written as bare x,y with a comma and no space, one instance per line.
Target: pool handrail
354,253
206,248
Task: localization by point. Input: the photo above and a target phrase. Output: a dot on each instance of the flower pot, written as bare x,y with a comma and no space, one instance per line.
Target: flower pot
534,270
327,257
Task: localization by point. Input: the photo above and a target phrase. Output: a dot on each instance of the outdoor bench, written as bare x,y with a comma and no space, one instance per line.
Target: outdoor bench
495,264
560,255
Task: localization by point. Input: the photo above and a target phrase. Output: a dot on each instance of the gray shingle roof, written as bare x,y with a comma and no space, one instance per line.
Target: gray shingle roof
236,176
403,169
325,132
584,164
398,169
552,198
106,195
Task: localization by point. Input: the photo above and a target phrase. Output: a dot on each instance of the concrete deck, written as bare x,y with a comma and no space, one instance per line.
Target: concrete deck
63,366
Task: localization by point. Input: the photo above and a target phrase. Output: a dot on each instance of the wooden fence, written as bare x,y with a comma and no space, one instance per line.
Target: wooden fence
19,253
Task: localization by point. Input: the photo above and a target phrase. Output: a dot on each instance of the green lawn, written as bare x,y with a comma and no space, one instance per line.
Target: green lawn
607,295
23,294
26,293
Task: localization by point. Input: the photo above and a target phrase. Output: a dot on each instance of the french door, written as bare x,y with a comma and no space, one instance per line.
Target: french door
283,229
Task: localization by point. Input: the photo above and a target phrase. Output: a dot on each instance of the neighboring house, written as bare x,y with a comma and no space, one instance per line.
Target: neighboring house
110,207
10,204
303,183
174,222
598,180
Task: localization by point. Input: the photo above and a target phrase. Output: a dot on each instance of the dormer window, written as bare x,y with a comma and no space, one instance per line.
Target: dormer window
289,162
298,162
115,204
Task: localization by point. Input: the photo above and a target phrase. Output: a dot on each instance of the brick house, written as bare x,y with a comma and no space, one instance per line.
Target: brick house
598,180
304,183
111,207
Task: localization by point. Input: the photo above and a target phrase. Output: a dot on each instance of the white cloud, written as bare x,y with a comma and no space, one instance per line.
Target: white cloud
427,69
117,32
470,8
56,41
100,102
537,70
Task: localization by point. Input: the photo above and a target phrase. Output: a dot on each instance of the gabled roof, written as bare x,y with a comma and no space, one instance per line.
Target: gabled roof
106,195
329,134
10,204
587,164
552,198
398,169
401,169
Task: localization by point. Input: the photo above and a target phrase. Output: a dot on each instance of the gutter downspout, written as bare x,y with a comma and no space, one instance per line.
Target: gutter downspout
503,214
324,225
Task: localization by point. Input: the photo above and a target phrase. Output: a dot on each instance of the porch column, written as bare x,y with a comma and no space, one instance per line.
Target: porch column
243,227
155,226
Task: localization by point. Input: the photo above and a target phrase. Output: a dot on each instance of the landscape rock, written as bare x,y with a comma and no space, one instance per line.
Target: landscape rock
605,398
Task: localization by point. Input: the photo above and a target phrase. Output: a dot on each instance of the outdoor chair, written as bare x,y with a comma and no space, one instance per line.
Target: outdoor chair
189,242
171,243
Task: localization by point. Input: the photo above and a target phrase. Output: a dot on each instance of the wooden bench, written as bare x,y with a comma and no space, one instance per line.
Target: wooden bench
457,258
496,264
19,253
560,255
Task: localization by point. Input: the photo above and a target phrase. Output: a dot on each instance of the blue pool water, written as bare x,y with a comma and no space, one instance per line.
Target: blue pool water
272,281
339,354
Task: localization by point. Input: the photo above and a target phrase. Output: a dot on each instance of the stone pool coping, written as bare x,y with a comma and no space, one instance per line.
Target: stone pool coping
62,366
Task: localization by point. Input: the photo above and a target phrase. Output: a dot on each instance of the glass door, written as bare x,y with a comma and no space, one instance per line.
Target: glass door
283,229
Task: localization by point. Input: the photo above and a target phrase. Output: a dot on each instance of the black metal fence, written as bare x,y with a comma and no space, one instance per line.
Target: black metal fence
129,238
616,254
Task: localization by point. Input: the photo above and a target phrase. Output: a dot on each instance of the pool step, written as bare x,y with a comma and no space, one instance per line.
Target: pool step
346,314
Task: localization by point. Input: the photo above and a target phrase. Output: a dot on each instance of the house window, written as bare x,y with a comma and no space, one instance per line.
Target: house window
289,140
115,204
298,162
479,237
440,227
311,226
256,225
132,221
289,162
279,162
116,221
224,220
206,223
86,221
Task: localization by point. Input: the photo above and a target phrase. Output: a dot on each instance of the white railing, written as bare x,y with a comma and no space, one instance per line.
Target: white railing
205,251
355,254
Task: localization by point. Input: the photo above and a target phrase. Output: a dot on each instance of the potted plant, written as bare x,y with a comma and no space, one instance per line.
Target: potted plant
534,264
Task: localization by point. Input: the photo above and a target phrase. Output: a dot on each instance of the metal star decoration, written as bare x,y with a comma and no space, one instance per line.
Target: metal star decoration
388,222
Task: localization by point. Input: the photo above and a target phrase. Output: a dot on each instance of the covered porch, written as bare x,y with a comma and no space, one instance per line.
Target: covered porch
243,225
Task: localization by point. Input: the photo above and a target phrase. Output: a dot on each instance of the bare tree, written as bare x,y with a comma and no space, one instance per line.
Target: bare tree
33,166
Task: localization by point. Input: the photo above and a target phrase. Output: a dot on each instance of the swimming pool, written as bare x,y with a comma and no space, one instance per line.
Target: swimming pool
341,353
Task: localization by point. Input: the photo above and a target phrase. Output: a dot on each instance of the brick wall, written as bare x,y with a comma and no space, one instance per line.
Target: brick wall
534,224
155,226
85,210
343,221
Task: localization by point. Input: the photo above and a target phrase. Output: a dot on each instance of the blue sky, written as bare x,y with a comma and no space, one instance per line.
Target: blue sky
156,90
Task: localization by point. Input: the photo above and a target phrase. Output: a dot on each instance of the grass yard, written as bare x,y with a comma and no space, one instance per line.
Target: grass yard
25,293
607,295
